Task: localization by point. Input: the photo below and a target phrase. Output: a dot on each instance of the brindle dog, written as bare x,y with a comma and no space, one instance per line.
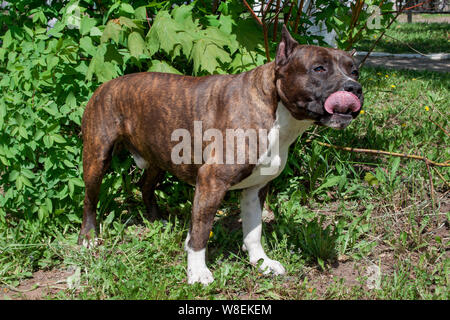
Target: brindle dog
305,85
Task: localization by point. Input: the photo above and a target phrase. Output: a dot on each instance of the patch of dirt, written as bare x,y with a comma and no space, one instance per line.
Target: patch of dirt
351,272
43,284
445,205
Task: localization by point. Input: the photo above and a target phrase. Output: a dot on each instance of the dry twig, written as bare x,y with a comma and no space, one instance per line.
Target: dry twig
430,178
382,152
437,124
299,14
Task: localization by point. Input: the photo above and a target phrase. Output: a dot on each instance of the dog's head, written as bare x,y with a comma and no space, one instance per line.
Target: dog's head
316,83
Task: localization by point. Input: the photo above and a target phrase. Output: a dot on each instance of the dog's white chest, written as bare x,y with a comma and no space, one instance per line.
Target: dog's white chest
272,162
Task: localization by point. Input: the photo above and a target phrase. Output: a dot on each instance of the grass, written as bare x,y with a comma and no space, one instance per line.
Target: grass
337,214
422,36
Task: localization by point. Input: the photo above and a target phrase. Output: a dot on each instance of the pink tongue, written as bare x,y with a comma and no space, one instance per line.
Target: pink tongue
342,102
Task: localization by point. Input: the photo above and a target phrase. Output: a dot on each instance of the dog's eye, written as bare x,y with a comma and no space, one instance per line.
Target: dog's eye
355,73
319,69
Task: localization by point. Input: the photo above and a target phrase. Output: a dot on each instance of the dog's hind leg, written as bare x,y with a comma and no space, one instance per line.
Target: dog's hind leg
96,160
252,201
100,135
148,184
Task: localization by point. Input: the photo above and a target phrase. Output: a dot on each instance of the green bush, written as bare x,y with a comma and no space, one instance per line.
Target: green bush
47,76
49,69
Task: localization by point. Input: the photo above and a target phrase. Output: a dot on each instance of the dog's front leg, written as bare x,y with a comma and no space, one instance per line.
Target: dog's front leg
209,192
252,201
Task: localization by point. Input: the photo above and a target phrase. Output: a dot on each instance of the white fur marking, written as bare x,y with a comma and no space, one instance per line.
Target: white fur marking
196,261
251,226
91,243
270,164
140,162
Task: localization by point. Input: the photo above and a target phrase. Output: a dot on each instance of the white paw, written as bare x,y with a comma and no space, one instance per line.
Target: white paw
90,243
272,267
202,275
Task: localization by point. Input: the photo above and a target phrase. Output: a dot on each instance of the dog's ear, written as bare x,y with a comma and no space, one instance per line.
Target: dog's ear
286,46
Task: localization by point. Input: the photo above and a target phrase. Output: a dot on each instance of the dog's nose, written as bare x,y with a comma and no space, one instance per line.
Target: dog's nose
353,87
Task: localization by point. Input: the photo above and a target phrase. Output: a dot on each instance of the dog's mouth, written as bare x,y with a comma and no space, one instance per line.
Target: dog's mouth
340,109
336,121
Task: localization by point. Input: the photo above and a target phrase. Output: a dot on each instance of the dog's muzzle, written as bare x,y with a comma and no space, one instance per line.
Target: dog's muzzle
341,107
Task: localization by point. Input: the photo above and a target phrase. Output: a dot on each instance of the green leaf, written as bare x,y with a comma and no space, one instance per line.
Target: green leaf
112,31
4,161
51,108
338,22
27,173
71,188
127,8
111,9
205,55
7,39
40,16
71,101
109,219
321,263
168,35
42,213
330,182
371,179
23,132
2,54
128,23
162,66
95,32
52,61
49,204
19,183
55,31
87,24
87,46
78,182
183,16
48,141
2,113
136,44
26,181
58,138
105,71
140,13
13,175
28,31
